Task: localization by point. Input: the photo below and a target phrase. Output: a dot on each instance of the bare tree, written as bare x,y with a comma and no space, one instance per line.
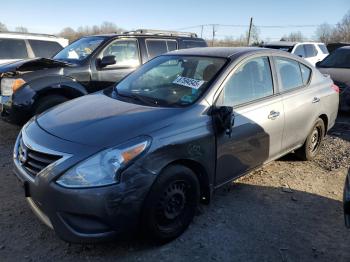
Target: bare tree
293,37
68,33
21,29
324,33
3,27
342,29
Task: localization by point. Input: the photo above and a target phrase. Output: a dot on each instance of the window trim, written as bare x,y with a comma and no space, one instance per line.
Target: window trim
160,39
280,87
113,67
220,90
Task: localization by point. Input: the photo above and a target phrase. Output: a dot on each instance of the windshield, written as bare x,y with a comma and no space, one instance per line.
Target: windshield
339,59
80,49
171,80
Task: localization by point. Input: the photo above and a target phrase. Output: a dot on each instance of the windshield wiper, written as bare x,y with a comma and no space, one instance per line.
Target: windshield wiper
140,98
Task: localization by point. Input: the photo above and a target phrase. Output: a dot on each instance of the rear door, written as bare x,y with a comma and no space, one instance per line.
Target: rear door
258,120
300,100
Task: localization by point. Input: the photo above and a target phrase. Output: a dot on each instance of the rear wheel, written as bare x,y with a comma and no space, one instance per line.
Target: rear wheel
49,101
171,203
313,142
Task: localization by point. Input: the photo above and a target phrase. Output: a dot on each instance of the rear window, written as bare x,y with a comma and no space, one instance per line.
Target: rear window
323,49
157,47
193,43
13,49
338,59
44,48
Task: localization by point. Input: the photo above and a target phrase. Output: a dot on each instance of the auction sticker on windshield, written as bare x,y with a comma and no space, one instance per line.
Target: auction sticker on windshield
189,82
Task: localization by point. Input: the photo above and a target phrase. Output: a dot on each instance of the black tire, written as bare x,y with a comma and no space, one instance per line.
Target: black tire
171,204
47,102
313,142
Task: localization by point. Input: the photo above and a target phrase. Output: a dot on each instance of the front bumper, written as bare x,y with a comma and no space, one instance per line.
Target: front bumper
91,214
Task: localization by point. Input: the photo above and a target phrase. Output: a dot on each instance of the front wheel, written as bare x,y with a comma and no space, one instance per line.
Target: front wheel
171,203
313,142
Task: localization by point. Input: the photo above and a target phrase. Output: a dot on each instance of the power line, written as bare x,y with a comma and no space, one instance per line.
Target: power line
247,26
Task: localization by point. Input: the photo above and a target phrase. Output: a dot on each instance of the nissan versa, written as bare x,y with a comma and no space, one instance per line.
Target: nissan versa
143,154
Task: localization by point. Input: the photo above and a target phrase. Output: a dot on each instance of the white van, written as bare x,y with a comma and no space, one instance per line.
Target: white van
15,46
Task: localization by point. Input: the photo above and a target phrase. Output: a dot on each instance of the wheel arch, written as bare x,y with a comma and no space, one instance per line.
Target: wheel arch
324,118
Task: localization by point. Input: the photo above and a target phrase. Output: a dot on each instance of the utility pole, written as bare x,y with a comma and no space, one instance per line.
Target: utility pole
212,43
202,31
250,30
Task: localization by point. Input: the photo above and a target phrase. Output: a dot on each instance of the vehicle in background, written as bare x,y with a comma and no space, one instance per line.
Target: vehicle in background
16,46
310,51
334,46
92,63
141,155
337,65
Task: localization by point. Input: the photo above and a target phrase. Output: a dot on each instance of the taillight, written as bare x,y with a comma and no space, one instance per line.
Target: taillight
335,88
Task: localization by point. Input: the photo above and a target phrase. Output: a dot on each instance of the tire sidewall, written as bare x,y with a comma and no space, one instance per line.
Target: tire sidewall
309,153
169,175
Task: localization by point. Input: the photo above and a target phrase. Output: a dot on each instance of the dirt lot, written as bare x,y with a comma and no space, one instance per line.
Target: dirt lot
286,211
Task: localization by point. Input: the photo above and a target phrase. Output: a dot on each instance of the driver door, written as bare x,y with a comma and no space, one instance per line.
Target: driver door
127,56
258,120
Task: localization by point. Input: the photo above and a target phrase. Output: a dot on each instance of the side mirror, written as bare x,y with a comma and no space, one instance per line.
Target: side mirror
107,60
223,119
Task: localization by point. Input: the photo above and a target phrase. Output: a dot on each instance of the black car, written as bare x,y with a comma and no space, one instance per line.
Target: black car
337,65
144,153
92,63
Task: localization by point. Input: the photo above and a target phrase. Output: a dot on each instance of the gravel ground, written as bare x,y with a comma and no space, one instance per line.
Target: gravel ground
287,211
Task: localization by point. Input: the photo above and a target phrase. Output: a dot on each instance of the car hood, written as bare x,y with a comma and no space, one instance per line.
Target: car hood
27,65
99,120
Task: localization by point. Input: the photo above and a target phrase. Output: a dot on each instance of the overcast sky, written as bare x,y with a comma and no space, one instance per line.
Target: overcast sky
52,16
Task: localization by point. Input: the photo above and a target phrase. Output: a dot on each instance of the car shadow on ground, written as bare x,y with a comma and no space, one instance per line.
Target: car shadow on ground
243,223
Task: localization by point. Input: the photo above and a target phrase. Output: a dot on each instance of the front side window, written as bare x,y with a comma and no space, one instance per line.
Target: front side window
80,49
171,80
299,51
251,81
157,47
44,48
289,73
13,49
310,50
126,53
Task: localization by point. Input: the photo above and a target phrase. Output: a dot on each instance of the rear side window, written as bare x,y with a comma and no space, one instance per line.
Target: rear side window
292,74
44,48
305,73
193,43
13,49
310,50
251,81
157,47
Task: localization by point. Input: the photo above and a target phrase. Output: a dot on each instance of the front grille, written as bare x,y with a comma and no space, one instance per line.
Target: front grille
33,161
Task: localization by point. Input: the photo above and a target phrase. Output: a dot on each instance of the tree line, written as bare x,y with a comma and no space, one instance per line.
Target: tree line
324,33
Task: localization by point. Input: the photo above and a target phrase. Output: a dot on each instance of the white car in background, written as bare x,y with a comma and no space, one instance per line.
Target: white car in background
312,52
16,46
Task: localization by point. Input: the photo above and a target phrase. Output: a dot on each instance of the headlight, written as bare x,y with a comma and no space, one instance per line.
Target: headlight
102,168
10,85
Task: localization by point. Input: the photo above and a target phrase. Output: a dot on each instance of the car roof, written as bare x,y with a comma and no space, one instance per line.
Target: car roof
288,43
109,36
224,52
345,47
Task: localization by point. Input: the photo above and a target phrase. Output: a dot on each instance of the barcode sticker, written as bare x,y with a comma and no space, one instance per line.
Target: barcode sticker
189,82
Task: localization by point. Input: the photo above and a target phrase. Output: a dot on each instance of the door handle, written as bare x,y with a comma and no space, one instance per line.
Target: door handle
316,100
273,115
